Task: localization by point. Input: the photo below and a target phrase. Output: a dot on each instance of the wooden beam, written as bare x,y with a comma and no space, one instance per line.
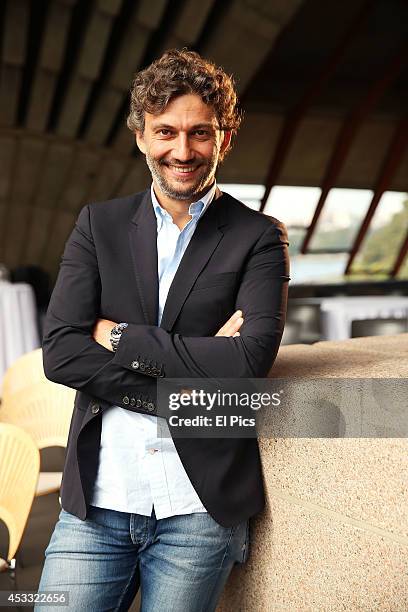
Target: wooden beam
56,166
243,35
110,175
136,178
348,131
62,226
86,71
140,28
13,55
27,174
391,162
49,66
292,121
188,25
9,147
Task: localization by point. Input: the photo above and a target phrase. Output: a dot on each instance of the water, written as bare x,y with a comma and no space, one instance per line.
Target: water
317,268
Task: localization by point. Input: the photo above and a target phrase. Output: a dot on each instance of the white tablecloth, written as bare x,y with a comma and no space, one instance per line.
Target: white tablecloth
338,313
18,323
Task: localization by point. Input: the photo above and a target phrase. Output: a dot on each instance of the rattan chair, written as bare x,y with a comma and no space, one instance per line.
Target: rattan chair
44,411
25,371
19,471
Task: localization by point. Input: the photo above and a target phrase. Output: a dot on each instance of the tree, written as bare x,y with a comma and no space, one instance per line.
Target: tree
381,246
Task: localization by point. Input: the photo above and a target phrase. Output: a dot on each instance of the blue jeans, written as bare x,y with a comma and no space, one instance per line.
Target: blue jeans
181,563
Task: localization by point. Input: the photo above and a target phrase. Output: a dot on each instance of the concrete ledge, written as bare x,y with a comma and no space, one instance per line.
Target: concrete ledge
334,533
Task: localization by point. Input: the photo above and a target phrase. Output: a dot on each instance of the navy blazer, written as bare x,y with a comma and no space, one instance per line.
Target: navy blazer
236,259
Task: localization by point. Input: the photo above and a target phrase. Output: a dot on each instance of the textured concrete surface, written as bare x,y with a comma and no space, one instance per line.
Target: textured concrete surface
334,533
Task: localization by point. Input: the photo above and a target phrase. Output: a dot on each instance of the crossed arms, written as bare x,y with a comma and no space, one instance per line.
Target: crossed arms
74,358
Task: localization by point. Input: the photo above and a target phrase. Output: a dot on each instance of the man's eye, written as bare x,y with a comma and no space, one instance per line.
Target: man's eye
201,132
164,132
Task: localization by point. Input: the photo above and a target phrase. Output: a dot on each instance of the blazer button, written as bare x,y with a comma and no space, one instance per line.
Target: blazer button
155,371
135,365
132,401
126,400
142,366
148,370
138,403
144,404
95,408
151,407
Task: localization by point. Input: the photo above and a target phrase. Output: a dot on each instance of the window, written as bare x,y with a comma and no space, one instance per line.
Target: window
295,206
384,238
336,230
342,214
251,195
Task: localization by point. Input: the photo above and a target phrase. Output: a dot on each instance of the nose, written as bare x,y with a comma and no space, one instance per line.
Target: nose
182,150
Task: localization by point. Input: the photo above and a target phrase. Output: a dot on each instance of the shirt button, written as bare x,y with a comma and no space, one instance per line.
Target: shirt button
152,450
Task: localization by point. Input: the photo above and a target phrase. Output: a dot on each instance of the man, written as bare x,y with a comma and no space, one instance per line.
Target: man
177,281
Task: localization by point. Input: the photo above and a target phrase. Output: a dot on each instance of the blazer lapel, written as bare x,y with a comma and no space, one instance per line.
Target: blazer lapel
143,247
203,243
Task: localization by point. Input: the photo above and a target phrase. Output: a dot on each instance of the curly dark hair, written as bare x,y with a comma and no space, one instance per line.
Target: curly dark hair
178,72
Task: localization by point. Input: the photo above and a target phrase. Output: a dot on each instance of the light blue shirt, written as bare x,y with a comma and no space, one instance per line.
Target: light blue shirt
137,468
172,243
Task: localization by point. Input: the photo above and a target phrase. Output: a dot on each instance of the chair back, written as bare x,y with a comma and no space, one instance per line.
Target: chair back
44,411
19,471
22,373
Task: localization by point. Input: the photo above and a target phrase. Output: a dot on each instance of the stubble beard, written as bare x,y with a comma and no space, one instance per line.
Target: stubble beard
205,178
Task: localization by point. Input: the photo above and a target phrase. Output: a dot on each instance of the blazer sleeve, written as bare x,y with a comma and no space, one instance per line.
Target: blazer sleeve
72,357
262,297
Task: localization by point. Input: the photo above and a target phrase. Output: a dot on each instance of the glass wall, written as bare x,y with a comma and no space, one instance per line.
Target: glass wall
336,230
384,238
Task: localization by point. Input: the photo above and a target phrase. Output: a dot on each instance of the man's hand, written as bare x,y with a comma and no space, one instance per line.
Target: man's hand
231,327
102,331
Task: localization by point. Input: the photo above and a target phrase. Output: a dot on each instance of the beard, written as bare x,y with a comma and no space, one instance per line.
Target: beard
179,188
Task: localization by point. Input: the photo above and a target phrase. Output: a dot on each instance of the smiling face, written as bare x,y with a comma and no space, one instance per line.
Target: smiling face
183,146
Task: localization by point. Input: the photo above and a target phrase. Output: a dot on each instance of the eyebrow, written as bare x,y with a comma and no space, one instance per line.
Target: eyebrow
194,127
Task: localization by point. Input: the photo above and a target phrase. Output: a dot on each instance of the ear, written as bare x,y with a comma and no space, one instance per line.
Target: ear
140,141
226,141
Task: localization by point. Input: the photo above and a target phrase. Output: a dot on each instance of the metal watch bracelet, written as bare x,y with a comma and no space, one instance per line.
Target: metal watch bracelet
116,333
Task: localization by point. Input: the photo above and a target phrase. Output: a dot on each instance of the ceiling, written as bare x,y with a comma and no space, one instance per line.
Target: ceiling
332,74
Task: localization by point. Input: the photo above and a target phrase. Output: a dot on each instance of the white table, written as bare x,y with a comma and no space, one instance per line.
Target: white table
338,313
18,323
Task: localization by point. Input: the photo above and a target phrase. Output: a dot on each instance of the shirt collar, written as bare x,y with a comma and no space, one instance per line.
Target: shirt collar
196,209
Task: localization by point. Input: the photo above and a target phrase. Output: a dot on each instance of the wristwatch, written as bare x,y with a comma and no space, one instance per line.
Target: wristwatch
116,334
